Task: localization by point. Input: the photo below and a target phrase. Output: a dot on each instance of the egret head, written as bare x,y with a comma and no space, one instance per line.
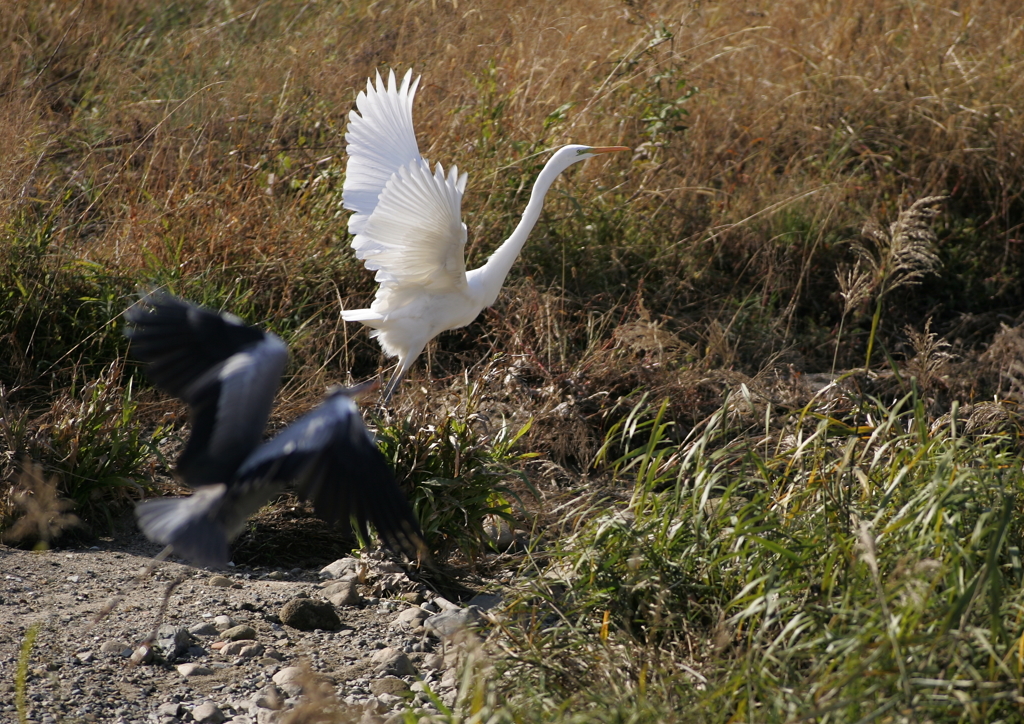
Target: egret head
566,156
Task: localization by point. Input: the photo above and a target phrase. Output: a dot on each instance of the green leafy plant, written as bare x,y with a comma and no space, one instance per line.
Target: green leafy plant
457,473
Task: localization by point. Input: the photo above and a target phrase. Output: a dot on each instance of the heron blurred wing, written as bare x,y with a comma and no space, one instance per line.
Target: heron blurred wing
189,525
415,236
228,373
337,466
380,140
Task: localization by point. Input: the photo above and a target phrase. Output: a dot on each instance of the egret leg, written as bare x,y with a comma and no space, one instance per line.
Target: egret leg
403,367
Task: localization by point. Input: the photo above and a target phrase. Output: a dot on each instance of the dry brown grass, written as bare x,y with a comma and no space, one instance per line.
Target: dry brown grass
200,145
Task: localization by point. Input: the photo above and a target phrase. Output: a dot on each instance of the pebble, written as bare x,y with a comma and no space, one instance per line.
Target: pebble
411,618
388,685
223,623
343,592
390,660
449,624
219,581
203,629
193,669
237,633
208,713
340,568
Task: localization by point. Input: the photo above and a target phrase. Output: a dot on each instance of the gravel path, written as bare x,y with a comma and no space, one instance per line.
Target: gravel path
229,648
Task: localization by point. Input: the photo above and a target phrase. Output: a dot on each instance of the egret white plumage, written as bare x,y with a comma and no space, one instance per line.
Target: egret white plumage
407,227
228,373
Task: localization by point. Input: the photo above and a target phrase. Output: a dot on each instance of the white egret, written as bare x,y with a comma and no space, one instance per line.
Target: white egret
407,227
228,373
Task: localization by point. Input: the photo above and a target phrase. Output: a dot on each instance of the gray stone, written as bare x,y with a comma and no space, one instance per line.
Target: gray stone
203,629
341,568
223,623
499,533
244,648
388,685
343,593
208,713
219,581
269,697
451,623
288,680
268,716
394,662
306,614
172,641
411,618
275,576
433,661
238,633
116,648
191,669
485,601
170,708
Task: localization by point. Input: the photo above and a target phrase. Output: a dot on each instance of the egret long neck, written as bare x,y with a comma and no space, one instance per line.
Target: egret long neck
492,275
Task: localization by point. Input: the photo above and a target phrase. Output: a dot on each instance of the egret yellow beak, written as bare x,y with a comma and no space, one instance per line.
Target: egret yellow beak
608,149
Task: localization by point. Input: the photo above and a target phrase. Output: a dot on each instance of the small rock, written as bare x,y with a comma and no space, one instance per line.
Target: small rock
393,661
243,648
203,629
269,697
451,623
85,656
485,601
306,614
172,641
341,568
116,648
445,605
498,532
413,597
275,576
433,661
170,708
288,680
266,716
411,618
388,685
208,713
390,700
190,670
223,623
343,593
238,633
219,581
449,680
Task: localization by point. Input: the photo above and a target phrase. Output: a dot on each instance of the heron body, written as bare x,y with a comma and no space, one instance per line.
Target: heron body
407,227
228,373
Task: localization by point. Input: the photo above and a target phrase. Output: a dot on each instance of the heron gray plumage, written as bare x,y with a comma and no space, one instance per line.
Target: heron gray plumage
228,373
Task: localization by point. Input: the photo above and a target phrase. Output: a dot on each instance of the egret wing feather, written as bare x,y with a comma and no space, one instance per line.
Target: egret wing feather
415,236
381,140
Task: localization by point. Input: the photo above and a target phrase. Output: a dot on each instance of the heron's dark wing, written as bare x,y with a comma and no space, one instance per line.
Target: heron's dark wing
338,467
189,525
228,373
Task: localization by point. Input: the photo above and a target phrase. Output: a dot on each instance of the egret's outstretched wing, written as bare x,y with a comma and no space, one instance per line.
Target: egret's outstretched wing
380,140
415,237
338,467
227,372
